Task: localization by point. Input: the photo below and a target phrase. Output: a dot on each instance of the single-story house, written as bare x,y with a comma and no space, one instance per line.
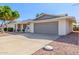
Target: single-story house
49,24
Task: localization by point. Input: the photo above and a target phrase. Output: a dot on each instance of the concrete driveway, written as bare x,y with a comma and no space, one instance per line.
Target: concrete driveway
24,43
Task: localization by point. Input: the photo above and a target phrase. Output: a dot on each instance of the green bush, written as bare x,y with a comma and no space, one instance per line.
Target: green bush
10,29
5,29
75,28
23,30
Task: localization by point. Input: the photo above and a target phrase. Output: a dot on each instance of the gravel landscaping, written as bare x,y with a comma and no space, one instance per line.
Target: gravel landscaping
65,45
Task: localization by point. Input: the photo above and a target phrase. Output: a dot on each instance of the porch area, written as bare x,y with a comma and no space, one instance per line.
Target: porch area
23,27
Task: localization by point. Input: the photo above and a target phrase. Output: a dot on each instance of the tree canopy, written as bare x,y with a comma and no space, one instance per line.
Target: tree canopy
7,14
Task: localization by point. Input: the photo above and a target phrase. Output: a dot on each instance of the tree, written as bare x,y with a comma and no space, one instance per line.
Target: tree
37,15
7,14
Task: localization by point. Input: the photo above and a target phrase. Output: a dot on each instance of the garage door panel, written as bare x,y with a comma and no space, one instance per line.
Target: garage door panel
49,28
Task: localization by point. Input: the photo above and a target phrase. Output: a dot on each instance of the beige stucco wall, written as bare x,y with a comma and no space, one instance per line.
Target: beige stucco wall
16,27
62,27
68,26
31,27
65,27
11,25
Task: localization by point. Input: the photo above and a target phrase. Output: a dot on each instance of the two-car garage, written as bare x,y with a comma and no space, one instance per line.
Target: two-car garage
59,26
46,28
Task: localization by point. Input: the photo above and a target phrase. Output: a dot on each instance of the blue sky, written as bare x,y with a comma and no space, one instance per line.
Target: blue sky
29,10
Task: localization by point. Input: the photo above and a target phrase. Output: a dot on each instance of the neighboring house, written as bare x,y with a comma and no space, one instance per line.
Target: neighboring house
49,24
76,26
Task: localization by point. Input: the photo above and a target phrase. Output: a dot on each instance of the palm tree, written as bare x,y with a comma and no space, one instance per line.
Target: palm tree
7,14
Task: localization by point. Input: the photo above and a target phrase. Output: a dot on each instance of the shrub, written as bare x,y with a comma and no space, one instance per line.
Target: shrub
75,28
18,30
5,29
10,29
23,30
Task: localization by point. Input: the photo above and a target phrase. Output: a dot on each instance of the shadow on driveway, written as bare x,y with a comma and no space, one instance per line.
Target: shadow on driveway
72,38
37,36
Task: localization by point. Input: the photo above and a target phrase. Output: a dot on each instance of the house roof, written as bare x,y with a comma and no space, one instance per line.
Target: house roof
26,21
11,22
49,16
70,18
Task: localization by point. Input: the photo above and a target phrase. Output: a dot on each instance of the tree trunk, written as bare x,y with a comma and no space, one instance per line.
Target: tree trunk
2,26
6,26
